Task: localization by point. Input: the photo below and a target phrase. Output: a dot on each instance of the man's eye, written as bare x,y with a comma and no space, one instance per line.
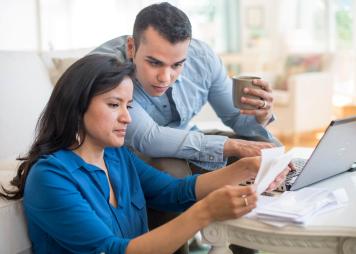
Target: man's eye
155,63
178,65
129,106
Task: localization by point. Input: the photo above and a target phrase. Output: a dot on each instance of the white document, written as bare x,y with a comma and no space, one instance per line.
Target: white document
273,162
300,206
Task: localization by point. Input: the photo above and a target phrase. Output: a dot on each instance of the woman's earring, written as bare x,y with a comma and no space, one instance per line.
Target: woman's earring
77,138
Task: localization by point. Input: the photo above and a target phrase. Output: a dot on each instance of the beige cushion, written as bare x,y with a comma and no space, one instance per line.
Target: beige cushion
57,62
60,65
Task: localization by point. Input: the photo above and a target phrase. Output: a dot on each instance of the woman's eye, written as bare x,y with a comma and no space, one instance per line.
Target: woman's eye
113,105
129,106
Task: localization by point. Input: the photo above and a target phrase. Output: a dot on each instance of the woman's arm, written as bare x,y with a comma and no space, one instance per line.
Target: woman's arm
225,203
220,198
233,174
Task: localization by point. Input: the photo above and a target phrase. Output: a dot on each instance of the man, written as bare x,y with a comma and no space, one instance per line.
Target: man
176,75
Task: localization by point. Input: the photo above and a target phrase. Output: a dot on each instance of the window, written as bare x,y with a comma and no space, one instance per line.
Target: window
341,40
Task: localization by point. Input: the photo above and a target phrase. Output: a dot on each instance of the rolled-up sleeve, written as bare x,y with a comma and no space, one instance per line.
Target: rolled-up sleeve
220,97
145,135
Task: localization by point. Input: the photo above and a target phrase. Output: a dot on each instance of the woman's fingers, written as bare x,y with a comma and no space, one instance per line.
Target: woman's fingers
230,202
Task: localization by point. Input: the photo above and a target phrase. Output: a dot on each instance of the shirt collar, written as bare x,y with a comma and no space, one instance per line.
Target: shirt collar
73,161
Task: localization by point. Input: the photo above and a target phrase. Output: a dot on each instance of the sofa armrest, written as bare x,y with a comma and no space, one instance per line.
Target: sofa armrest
309,104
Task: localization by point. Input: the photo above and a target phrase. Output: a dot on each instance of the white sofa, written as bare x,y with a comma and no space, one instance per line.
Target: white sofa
26,82
13,231
24,89
306,105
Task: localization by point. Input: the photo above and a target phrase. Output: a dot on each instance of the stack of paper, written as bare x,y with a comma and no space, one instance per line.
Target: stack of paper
299,206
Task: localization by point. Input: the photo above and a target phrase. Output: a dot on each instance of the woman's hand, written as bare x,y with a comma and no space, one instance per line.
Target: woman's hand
230,202
250,167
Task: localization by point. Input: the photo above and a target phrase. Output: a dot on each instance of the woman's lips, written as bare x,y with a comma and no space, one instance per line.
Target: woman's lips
120,132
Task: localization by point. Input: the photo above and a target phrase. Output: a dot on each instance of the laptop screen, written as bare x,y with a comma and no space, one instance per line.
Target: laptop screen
334,154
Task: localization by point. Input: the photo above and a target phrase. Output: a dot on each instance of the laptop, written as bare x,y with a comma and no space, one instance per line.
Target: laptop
334,154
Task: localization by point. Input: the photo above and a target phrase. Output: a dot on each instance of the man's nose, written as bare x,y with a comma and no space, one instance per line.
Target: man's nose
164,76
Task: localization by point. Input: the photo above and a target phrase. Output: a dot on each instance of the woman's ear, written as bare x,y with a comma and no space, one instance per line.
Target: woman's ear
130,48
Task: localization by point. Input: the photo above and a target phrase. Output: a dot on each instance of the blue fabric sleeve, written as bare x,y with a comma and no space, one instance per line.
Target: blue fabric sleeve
53,203
162,191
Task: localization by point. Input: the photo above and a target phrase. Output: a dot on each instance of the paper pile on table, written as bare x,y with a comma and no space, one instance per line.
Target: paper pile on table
298,207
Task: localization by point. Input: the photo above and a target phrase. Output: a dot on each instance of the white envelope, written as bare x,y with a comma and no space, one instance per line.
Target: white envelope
274,161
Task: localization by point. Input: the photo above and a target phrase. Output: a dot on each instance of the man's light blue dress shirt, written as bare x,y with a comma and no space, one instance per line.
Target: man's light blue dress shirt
160,125
67,206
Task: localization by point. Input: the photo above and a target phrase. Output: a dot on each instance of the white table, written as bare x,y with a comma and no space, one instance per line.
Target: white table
332,232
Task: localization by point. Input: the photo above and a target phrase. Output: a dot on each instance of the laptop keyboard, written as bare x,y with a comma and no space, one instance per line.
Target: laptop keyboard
298,165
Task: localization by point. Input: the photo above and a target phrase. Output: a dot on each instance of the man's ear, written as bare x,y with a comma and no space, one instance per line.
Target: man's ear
130,48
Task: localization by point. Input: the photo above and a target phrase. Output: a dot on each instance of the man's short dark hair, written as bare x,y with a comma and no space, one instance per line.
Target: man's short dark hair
169,21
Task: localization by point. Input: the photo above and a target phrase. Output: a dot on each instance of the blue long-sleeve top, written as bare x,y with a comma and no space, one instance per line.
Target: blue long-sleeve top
66,201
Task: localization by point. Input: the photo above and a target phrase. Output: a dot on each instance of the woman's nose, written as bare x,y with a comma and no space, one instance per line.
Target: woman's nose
125,116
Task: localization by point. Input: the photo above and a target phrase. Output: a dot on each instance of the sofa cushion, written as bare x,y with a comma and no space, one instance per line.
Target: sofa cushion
57,62
13,230
301,63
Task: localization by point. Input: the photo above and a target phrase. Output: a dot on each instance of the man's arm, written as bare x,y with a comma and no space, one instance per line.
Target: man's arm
145,135
220,97
243,148
251,126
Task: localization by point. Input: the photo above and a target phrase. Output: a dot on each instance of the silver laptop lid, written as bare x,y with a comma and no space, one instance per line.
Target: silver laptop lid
334,154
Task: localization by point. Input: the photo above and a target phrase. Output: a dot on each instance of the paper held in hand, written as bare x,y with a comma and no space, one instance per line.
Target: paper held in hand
273,162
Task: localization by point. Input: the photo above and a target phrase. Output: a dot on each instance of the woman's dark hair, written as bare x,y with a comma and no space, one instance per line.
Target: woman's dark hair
62,119
169,21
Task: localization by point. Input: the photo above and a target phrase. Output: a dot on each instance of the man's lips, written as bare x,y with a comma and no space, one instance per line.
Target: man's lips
160,88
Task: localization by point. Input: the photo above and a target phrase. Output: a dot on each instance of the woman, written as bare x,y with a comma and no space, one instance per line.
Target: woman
85,193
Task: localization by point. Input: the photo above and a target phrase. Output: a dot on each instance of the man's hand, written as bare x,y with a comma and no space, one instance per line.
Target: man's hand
279,179
243,148
264,105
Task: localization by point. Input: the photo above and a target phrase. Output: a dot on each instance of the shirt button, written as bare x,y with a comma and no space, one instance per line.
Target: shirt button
211,157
